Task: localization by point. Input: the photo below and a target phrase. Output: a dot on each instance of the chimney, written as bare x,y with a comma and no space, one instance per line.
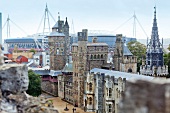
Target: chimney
94,40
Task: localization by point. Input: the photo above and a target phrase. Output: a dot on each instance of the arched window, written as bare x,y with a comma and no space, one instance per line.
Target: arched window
91,56
110,92
98,56
90,101
94,56
129,70
90,87
101,56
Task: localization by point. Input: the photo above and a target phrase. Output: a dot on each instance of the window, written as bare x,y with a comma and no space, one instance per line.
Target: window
90,101
101,56
90,87
57,51
110,92
98,56
110,108
91,56
94,56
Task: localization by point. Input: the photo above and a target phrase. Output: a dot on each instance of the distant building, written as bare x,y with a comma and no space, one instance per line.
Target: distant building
104,89
123,59
154,55
41,58
108,39
21,59
85,56
58,45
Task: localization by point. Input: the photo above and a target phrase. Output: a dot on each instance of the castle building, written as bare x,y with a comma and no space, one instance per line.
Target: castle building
123,59
58,46
154,55
104,89
85,56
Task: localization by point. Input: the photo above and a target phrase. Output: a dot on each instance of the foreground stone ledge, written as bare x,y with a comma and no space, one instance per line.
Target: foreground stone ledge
13,97
146,97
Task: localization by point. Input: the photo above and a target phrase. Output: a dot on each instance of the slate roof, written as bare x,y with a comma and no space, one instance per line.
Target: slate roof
126,51
42,72
56,34
56,25
55,73
68,67
117,74
92,44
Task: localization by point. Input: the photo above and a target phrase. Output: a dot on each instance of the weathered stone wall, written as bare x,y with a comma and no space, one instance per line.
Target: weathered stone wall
146,97
13,98
50,87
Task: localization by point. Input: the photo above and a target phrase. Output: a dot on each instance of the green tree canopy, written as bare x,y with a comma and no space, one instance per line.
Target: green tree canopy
137,49
34,87
33,50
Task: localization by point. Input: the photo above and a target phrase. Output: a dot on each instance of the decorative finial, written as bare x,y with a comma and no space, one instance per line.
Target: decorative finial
58,16
155,11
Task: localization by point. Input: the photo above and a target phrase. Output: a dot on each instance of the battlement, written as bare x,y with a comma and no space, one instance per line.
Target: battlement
154,71
129,59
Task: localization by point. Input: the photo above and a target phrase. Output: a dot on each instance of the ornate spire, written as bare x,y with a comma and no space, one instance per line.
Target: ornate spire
154,56
155,37
66,22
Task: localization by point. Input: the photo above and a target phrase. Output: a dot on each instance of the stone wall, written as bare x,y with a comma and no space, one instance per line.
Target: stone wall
146,97
50,87
13,98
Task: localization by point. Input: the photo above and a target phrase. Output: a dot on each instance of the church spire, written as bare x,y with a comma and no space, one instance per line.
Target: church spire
155,37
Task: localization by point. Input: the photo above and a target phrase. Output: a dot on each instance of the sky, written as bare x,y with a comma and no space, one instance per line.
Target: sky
98,16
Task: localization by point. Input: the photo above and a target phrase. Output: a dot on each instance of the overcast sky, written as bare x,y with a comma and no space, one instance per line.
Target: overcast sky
105,15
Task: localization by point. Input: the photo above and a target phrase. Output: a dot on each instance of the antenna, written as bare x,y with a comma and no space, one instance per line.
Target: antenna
134,26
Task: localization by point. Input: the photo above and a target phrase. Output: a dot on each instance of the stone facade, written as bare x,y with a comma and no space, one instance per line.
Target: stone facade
146,97
154,65
85,56
50,87
103,93
58,44
123,59
104,89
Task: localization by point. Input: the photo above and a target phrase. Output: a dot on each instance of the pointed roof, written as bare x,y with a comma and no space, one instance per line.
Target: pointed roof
66,23
126,50
56,25
154,41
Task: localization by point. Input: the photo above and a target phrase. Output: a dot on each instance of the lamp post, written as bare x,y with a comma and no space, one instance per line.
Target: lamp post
66,109
74,109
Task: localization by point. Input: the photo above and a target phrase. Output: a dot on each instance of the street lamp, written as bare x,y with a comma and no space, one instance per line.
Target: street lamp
66,109
74,109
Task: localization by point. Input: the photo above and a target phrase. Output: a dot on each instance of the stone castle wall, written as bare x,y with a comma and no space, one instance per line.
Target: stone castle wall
50,87
146,97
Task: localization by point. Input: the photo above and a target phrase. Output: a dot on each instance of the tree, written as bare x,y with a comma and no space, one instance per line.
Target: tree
137,49
34,87
33,50
167,59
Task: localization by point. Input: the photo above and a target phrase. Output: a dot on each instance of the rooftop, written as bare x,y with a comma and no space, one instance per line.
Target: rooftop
56,34
117,74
